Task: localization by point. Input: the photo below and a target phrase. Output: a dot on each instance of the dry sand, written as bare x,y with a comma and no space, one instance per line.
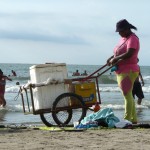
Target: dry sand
104,139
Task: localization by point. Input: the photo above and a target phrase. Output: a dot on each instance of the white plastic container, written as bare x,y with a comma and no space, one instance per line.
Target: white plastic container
45,96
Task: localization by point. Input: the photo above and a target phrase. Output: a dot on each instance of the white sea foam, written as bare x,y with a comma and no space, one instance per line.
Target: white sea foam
12,89
145,89
146,78
122,107
109,89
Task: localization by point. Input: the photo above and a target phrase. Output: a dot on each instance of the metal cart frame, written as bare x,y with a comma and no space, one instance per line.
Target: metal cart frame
54,110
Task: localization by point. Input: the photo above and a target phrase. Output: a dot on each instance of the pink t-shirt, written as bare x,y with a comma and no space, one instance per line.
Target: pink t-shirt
130,63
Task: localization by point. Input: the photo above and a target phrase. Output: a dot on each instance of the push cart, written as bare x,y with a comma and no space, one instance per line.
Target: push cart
68,107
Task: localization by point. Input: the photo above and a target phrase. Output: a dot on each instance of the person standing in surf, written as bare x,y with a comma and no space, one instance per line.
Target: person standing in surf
3,79
137,88
125,55
13,73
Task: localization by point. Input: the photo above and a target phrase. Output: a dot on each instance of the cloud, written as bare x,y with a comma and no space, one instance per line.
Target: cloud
41,37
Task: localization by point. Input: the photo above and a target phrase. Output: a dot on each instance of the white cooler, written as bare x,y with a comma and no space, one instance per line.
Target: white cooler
45,96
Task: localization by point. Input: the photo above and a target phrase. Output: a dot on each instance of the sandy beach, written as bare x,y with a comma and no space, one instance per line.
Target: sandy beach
105,139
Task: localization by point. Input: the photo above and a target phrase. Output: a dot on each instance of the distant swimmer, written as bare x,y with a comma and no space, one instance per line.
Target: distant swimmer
84,74
13,73
76,73
3,79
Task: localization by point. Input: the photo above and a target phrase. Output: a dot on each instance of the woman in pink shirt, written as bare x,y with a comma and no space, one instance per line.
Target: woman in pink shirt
127,68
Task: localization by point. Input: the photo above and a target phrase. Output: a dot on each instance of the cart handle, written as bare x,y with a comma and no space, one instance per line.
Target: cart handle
101,69
91,75
96,71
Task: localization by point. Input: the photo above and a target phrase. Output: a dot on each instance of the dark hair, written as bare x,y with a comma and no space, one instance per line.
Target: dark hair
123,25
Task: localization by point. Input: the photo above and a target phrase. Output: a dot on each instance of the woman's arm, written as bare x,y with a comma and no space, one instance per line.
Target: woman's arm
123,56
141,78
7,78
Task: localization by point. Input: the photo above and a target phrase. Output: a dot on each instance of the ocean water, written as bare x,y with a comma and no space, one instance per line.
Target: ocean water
109,92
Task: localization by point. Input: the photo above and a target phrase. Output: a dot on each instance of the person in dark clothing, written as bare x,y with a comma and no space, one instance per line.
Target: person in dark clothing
137,88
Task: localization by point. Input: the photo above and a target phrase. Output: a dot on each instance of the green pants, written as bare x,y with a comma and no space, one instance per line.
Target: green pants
125,82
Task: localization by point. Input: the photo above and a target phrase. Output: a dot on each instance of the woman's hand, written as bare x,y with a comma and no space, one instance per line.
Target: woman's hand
109,61
113,60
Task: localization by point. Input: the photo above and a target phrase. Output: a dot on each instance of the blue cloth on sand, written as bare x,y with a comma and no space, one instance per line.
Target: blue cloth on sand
105,115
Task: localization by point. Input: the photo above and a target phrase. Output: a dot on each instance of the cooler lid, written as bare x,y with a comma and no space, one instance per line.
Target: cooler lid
48,65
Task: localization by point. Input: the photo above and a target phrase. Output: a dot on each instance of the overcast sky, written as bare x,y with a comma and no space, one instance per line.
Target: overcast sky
69,31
